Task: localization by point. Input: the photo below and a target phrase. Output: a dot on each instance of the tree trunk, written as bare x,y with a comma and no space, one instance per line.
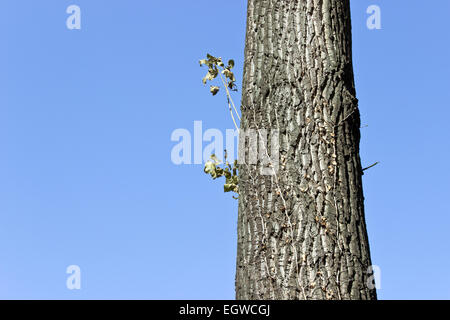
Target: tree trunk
301,230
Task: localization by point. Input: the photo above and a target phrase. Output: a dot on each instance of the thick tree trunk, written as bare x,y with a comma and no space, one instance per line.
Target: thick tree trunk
301,231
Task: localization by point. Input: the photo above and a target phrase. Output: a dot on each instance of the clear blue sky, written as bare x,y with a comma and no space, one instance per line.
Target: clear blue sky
86,176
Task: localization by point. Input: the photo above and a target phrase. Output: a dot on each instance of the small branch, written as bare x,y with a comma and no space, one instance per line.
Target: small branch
230,99
232,117
229,95
373,165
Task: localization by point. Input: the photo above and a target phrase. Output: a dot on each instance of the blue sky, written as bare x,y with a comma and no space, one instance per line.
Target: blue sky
86,176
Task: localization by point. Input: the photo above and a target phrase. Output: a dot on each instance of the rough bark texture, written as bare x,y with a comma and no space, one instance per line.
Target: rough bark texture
302,232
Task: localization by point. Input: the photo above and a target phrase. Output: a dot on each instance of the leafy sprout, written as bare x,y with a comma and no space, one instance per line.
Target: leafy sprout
229,171
215,167
216,66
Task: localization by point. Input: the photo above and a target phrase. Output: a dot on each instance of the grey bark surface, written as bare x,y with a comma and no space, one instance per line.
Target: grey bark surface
302,232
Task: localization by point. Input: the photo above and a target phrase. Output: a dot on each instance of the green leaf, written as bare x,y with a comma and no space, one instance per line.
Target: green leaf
218,173
209,167
211,75
227,174
208,76
214,90
214,60
228,187
230,64
229,75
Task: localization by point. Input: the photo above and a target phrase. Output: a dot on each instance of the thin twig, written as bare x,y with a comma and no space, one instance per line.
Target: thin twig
229,95
228,100
373,165
346,117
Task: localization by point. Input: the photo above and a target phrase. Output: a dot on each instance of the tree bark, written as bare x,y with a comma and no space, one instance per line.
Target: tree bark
301,231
